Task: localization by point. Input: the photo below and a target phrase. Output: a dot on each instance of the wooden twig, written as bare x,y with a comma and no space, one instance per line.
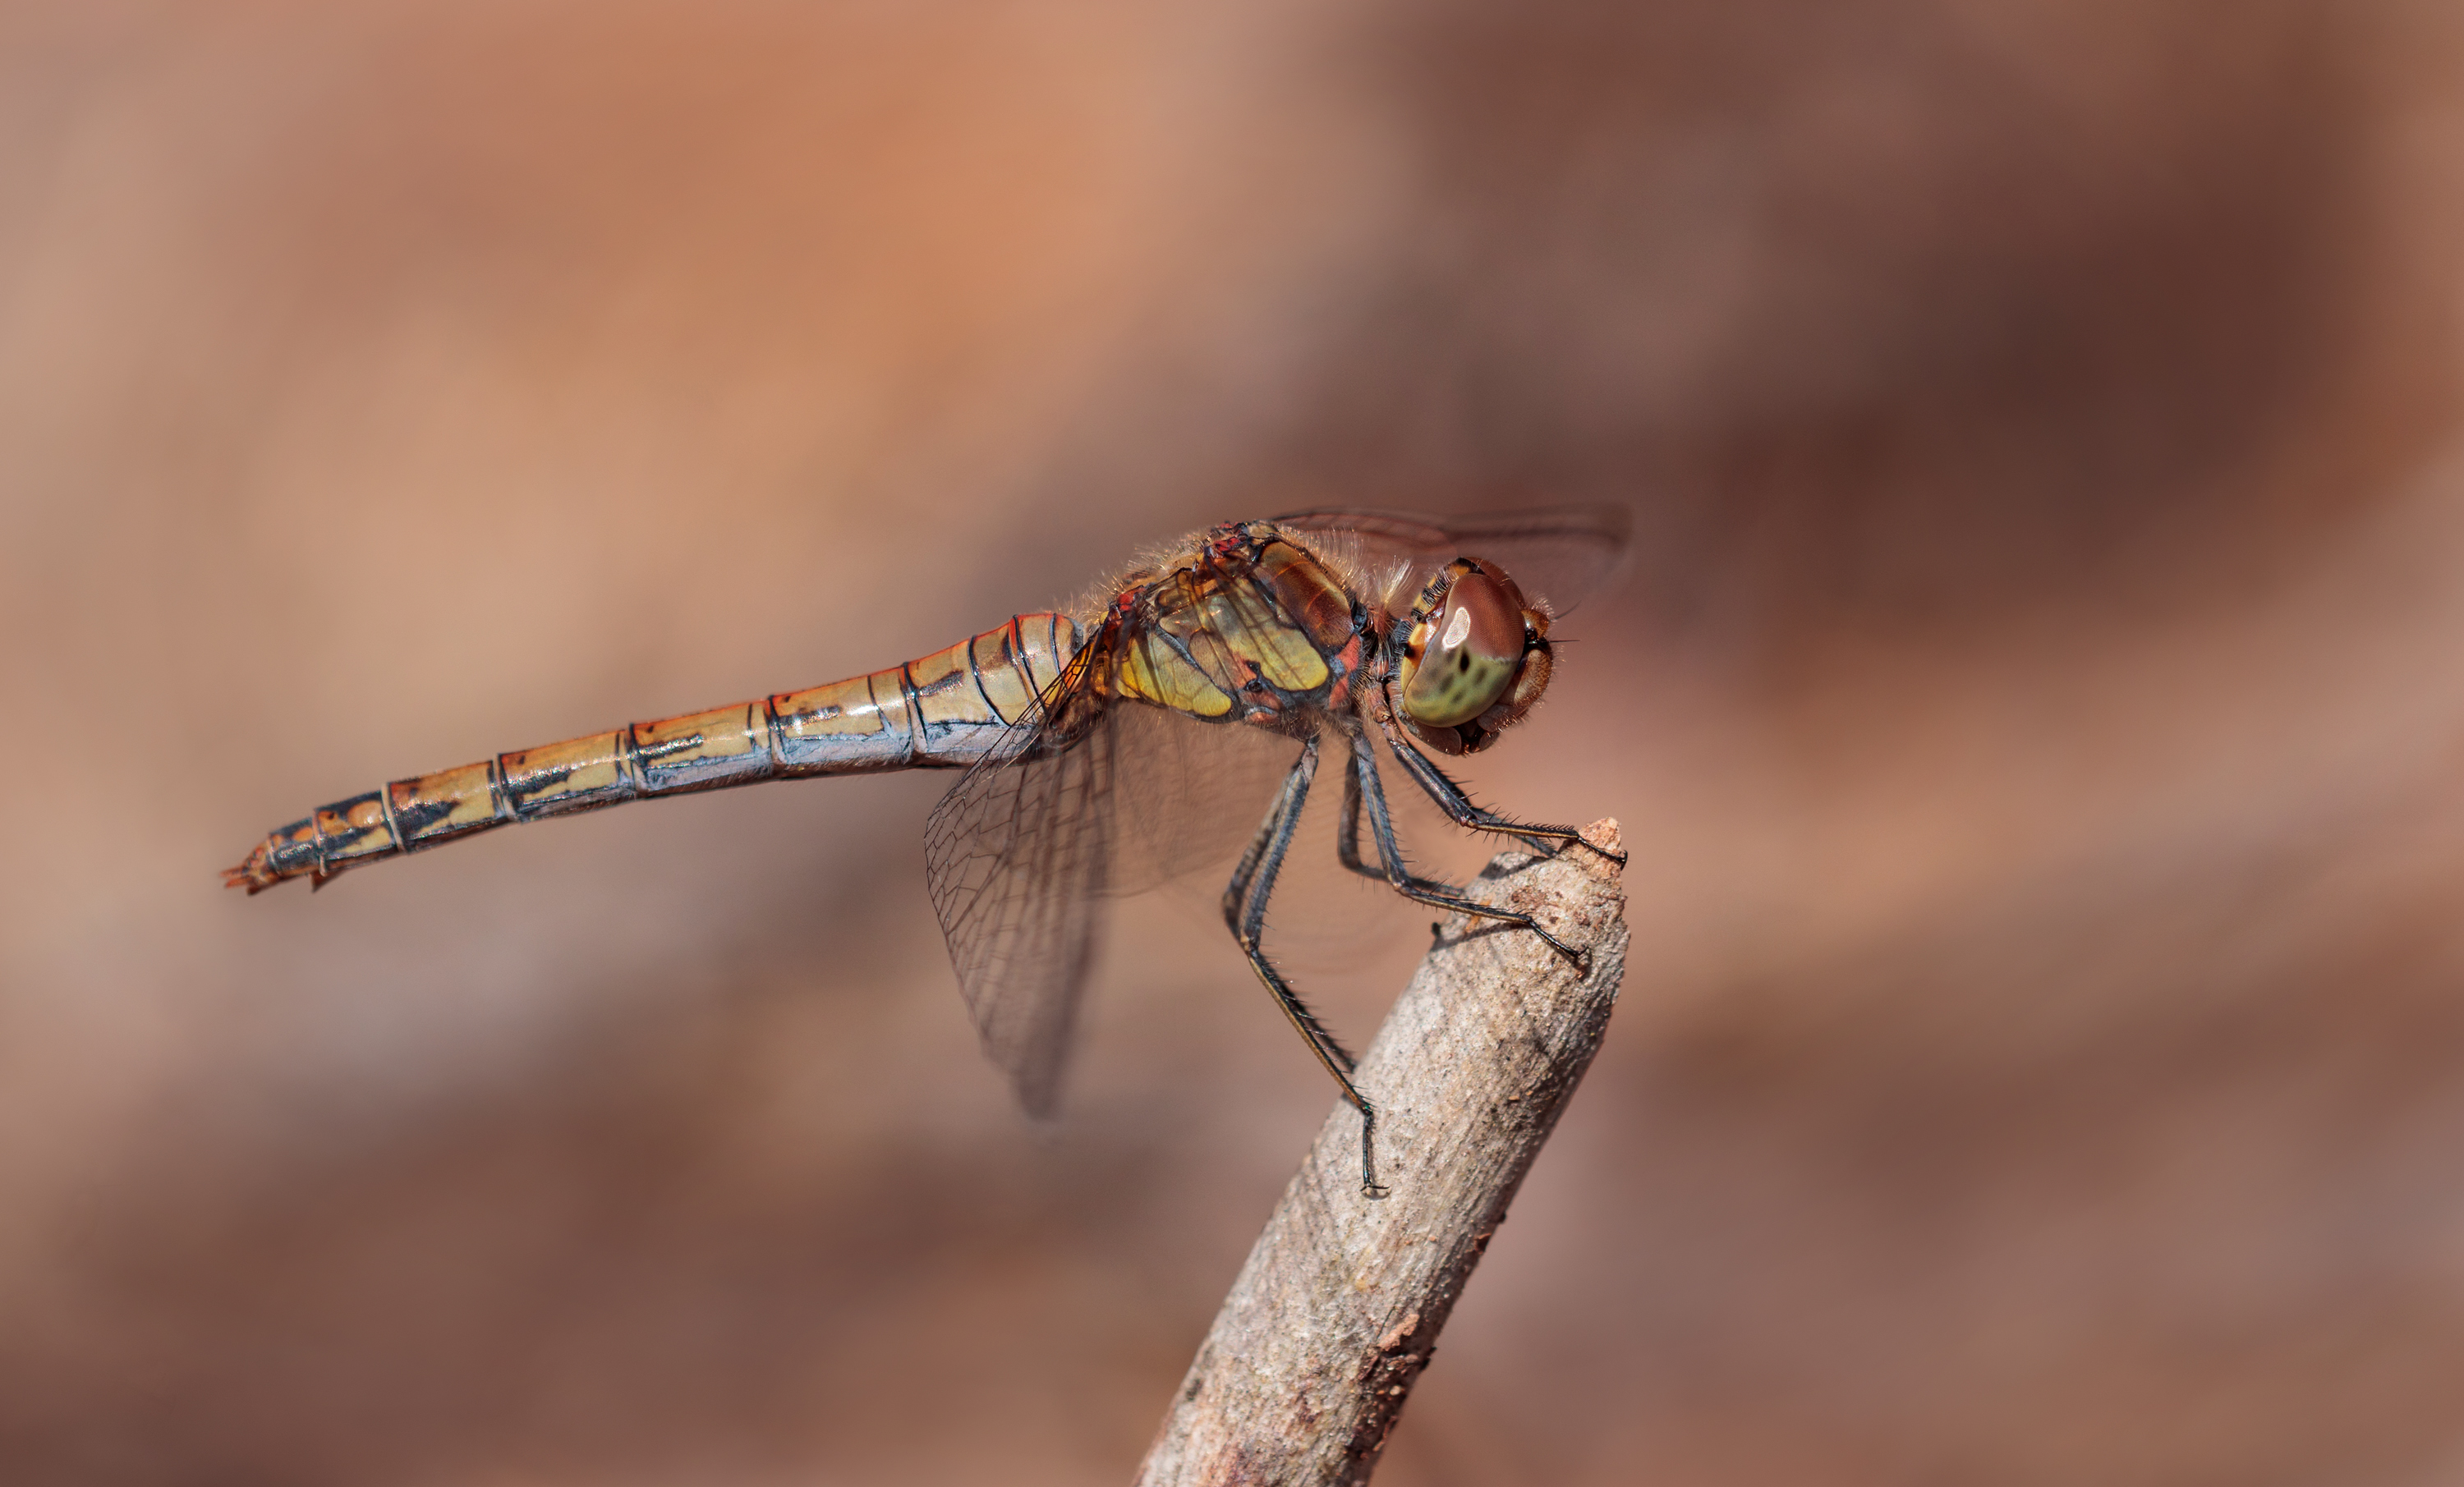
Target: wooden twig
1338,1308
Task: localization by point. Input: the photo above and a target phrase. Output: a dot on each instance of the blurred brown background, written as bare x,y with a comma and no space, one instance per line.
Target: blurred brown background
2038,706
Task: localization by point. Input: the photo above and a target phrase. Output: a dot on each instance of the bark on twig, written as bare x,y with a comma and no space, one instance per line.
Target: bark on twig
1338,1308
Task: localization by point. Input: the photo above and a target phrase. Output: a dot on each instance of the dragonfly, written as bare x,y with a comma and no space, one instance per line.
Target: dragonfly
1098,748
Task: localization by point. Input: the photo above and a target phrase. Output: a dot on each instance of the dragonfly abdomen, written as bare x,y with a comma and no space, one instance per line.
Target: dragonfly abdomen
943,711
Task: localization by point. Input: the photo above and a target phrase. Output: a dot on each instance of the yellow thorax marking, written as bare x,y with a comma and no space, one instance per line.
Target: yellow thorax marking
1255,633
1152,670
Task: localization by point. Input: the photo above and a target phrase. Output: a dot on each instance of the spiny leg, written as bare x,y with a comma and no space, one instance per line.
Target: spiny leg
1363,782
1347,842
1459,810
1389,868
1253,882
1347,847
1245,912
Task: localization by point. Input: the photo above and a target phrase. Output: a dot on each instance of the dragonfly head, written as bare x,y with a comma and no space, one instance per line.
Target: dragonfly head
1475,658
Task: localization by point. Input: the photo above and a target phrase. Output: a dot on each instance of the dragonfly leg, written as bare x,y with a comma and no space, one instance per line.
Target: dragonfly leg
1363,781
1459,810
1244,912
1347,842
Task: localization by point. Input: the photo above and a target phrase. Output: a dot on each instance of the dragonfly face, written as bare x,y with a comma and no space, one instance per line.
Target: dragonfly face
1474,658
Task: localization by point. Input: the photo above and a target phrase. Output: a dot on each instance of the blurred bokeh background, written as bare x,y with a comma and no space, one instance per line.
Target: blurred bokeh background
2036,706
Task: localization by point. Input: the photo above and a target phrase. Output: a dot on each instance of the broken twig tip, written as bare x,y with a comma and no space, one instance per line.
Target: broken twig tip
1609,838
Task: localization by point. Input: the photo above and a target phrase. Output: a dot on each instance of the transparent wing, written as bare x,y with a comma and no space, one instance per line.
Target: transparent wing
1021,853
1015,859
1561,552
1189,794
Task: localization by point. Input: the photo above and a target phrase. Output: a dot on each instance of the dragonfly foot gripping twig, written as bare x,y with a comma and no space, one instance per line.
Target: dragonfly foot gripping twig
1338,1308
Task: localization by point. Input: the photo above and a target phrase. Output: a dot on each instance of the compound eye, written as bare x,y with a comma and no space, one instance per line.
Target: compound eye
1465,655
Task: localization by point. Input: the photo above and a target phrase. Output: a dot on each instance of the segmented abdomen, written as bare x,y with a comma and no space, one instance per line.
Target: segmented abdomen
944,711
